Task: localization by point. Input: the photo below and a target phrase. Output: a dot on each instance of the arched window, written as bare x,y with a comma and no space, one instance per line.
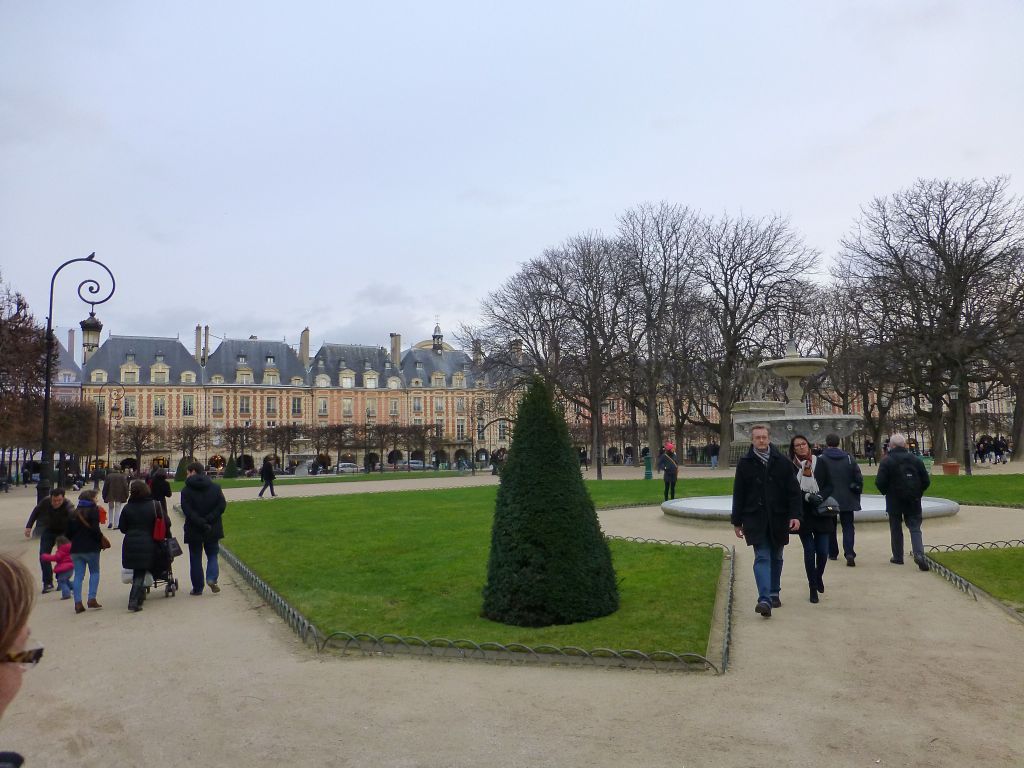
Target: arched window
323,380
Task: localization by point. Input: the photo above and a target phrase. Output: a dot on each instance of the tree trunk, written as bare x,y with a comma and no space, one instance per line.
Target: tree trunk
1017,430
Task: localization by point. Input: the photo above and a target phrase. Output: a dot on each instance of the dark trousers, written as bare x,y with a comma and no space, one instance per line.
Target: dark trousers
670,488
47,541
846,521
269,484
815,556
896,520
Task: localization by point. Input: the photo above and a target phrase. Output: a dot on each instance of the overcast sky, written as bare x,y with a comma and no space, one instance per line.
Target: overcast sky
366,168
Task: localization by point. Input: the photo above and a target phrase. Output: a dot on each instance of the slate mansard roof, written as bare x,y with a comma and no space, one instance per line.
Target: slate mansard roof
66,364
114,352
449,362
359,358
224,361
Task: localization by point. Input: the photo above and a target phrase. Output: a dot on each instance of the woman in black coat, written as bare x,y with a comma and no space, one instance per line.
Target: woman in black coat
160,489
815,531
138,517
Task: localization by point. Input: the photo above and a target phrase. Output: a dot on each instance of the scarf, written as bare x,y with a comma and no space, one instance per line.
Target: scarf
763,456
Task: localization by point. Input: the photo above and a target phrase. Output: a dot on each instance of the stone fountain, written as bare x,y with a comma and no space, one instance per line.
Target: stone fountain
785,420
790,418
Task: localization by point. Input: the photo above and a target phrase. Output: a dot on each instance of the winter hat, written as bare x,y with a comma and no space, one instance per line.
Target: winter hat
670,446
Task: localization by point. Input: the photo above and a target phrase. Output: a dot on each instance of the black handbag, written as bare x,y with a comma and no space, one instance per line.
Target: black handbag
828,508
173,547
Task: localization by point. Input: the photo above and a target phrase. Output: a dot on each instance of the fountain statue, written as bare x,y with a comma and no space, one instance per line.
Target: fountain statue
785,420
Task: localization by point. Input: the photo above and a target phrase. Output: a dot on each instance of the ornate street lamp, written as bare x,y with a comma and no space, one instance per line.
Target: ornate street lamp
93,288
116,396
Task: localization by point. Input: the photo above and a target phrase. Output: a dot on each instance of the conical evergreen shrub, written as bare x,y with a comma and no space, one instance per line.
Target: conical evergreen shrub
549,560
182,471
231,469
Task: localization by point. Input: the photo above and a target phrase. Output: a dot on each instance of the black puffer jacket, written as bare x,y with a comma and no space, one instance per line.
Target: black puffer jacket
160,490
203,503
137,520
765,498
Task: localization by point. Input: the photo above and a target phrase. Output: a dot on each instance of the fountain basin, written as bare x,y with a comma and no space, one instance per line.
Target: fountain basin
720,508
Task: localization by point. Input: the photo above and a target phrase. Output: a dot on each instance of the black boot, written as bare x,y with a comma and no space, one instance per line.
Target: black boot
135,599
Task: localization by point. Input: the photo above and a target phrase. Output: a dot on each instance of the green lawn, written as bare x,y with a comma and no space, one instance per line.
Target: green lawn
1000,572
979,490
255,482
414,563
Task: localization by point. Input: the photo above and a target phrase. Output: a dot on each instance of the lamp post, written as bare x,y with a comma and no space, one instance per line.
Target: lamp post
115,414
472,443
954,395
117,395
93,288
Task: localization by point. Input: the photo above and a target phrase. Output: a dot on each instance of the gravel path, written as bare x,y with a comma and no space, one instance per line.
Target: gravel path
894,667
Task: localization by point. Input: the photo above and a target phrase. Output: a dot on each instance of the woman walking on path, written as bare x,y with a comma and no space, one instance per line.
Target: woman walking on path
267,476
159,489
667,463
86,536
816,531
137,520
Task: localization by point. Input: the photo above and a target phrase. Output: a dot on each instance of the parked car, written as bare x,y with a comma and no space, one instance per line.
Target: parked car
347,468
411,464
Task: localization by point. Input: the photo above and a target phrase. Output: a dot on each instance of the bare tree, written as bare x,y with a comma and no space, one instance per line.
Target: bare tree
746,268
188,438
139,439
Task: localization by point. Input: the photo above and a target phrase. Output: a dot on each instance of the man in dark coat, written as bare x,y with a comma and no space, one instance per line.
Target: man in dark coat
766,507
203,503
903,479
115,493
267,476
51,515
847,484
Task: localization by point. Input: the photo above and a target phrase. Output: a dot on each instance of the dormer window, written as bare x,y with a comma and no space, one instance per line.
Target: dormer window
323,380
347,381
270,360
296,381
130,357
419,366
370,382
188,378
159,377
159,357
98,377
366,365
218,379
437,380
241,359
244,377
271,378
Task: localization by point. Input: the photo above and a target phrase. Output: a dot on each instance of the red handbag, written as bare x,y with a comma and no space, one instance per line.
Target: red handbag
160,526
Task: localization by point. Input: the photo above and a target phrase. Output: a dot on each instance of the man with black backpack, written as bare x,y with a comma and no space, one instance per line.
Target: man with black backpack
903,479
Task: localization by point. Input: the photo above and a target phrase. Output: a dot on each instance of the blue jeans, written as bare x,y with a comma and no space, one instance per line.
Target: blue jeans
767,571
195,561
714,462
82,559
64,582
815,556
913,521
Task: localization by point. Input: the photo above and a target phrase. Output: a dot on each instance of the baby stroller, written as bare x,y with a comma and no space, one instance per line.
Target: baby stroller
163,561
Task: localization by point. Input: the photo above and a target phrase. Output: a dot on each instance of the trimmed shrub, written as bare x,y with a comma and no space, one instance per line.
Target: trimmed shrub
231,469
549,561
182,471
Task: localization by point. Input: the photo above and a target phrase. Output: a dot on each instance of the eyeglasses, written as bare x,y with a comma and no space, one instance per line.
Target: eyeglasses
27,658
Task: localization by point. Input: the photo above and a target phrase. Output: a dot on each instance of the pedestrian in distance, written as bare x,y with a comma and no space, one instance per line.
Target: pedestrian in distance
668,464
818,527
203,503
159,488
766,508
847,485
86,543
63,566
903,479
50,519
267,476
115,494
138,517
713,451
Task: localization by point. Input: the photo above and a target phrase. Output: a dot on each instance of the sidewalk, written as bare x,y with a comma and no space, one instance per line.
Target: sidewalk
894,667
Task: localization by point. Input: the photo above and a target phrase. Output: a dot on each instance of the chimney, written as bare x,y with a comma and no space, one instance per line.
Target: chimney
206,345
478,352
304,347
71,342
199,343
396,350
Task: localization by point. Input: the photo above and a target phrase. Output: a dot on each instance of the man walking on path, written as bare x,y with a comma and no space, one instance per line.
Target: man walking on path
713,450
766,507
903,479
203,503
847,484
267,476
51,515
115,493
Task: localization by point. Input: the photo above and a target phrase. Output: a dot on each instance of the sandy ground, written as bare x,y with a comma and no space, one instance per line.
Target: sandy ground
894,667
